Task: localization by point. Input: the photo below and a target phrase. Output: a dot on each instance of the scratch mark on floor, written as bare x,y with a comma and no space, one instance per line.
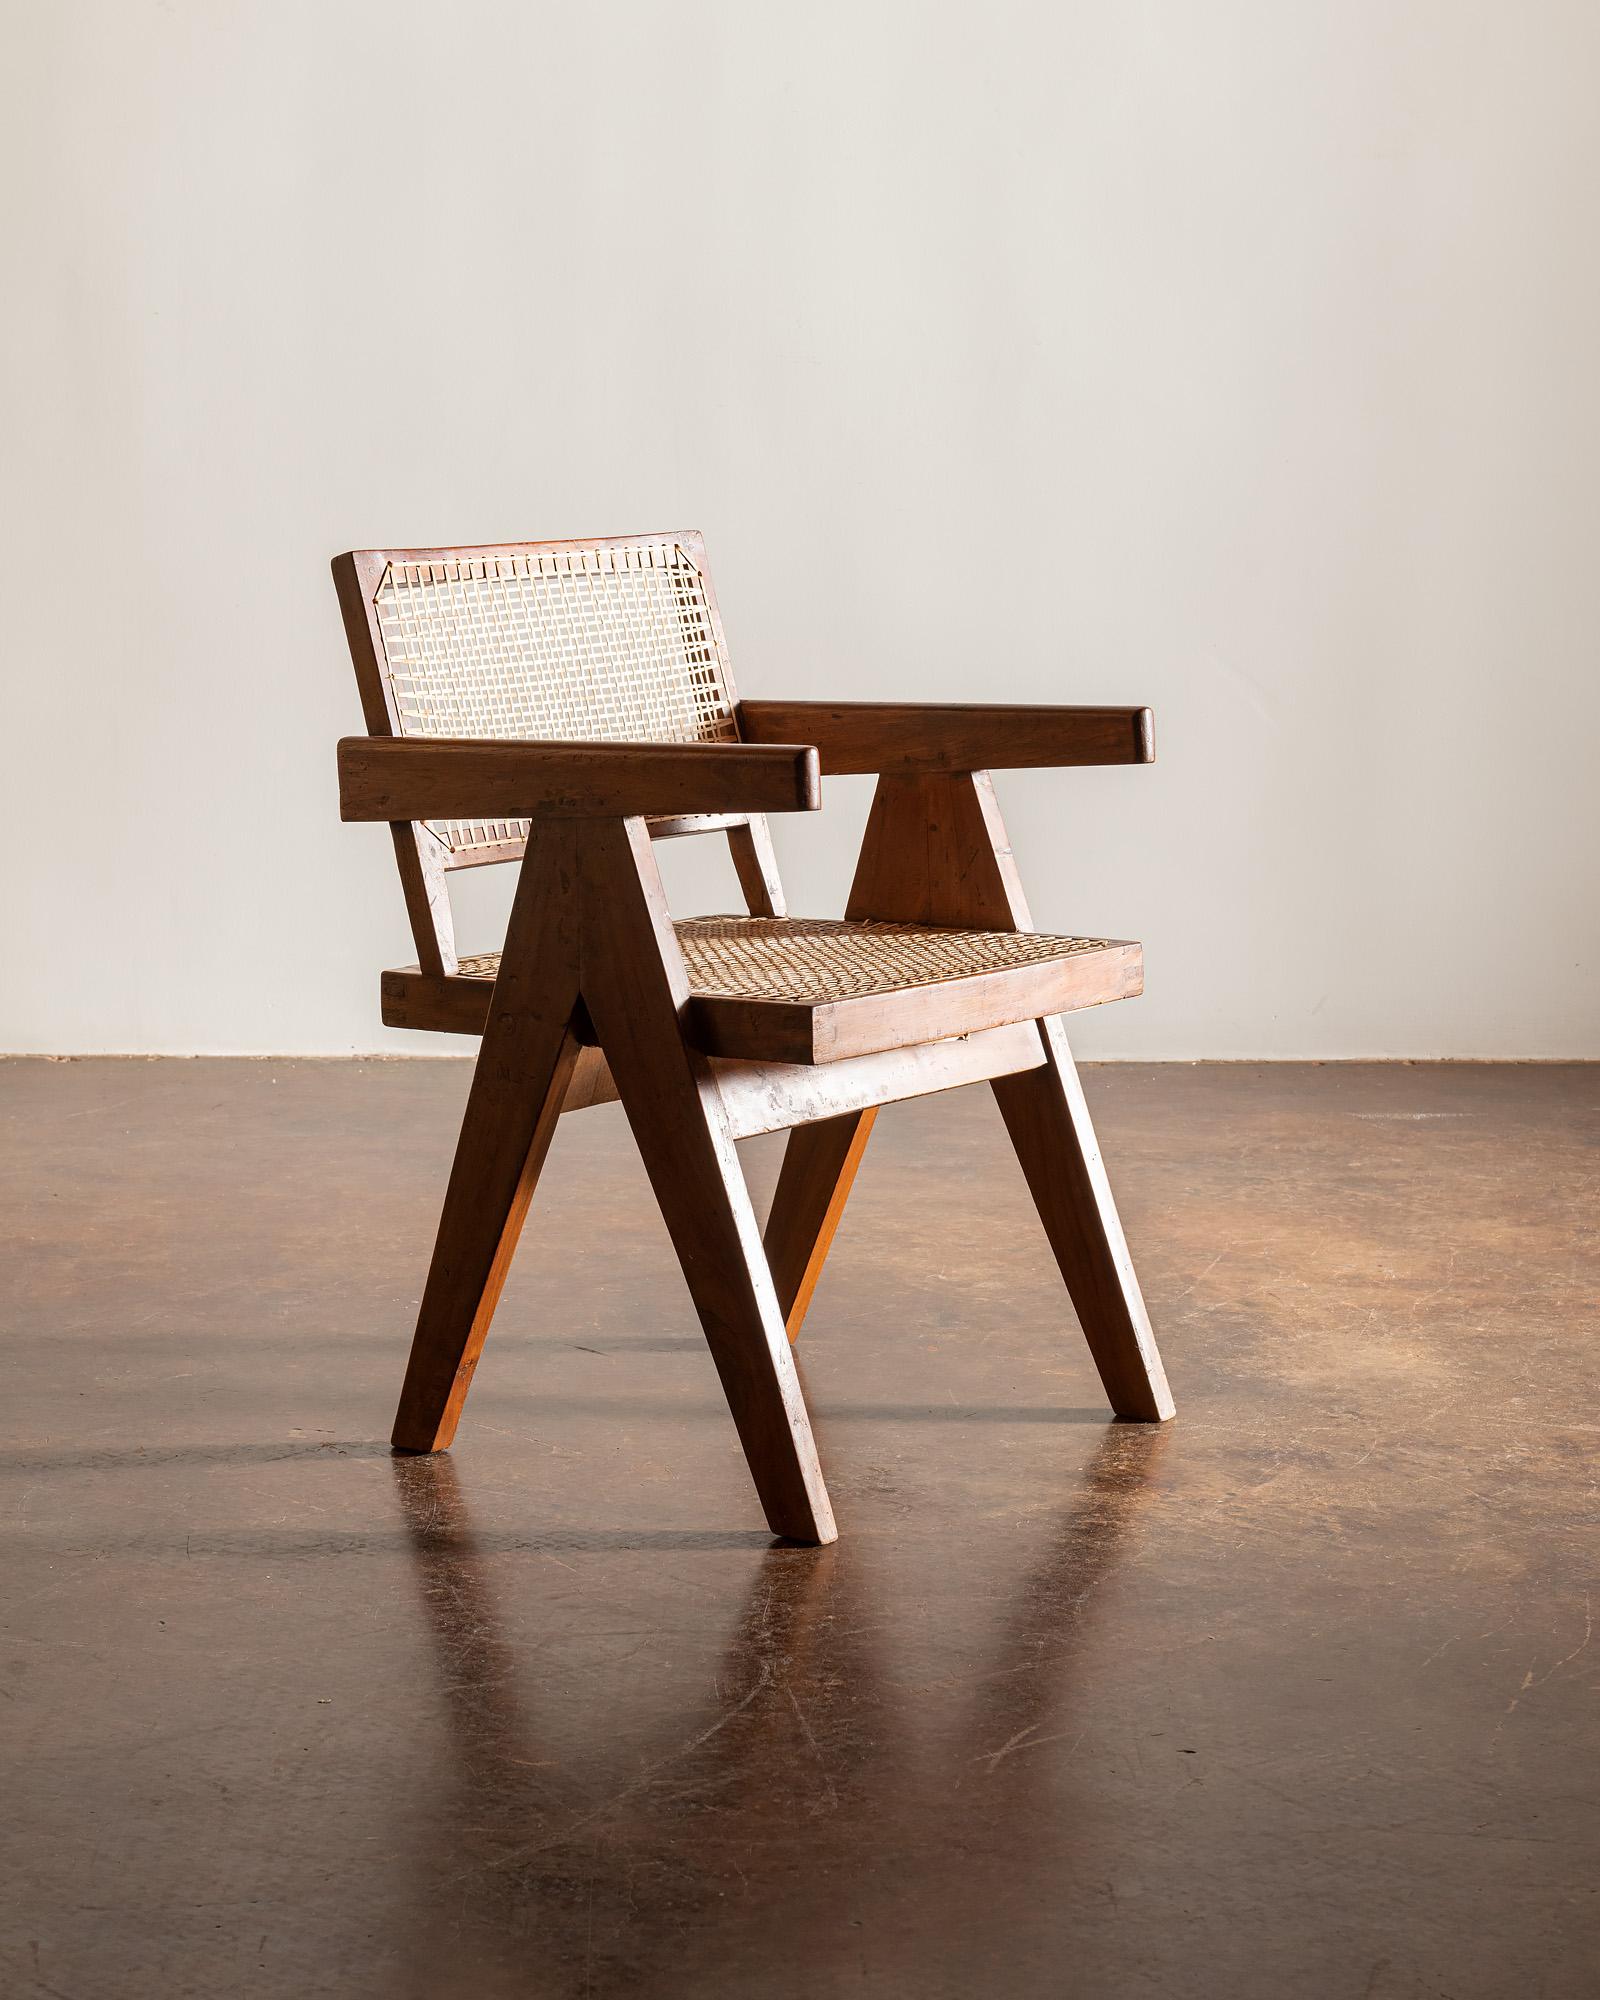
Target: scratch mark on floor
646,1777
1026,1740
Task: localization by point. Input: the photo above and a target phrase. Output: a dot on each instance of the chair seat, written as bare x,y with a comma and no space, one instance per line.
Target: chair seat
817,990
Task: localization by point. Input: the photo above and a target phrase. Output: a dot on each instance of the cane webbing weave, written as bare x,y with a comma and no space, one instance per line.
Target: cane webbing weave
612,644
813,960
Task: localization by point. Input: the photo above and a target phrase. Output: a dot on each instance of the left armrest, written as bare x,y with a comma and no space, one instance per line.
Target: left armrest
901,737
445,777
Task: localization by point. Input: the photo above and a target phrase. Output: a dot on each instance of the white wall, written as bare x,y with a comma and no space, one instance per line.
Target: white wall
1238,358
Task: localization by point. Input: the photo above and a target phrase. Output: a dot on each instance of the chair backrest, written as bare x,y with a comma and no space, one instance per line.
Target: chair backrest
615,639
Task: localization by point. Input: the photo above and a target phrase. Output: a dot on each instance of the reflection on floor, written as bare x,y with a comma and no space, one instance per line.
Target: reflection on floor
1294,1696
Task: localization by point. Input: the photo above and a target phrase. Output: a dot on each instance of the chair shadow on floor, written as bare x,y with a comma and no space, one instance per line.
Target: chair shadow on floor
766,1806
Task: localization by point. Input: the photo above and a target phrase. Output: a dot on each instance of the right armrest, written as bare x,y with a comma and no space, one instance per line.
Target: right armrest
447,777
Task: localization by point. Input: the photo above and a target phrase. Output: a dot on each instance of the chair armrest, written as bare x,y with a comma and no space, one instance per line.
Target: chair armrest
897,737
442,777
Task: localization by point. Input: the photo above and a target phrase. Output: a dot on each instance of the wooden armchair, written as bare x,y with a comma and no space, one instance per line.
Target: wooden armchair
565,705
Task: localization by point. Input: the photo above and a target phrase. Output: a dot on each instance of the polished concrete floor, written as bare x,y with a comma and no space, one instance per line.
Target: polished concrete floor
1292,1697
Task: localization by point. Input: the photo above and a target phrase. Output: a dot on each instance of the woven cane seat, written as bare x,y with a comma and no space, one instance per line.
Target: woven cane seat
811,960
816,989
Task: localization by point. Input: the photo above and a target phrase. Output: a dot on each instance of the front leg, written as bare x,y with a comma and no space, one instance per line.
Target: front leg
524,1065
635,988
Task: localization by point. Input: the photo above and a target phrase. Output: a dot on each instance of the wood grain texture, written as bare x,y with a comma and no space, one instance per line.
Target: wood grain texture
826,1031
635,986
819,1169
429,1003
935,851
524,1068
422,861
898,737
757,868
772,1097
451,777
592,1082
414,778
680,825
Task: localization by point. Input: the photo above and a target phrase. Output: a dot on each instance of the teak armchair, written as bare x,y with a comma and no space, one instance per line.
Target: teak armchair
565,705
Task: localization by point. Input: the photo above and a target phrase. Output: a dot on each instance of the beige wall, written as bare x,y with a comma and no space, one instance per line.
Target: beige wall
1237,358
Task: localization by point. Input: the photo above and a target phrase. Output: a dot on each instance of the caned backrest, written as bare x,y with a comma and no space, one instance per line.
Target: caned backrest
614,640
